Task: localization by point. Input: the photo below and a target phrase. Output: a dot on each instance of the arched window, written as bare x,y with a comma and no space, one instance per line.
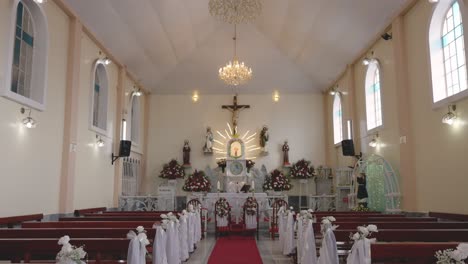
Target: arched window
135,120
27,66
447,52
373,96
99,95
337,119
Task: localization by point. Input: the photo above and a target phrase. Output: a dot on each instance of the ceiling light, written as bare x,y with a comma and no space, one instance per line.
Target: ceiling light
106,61
235,12
366,61
450,117
235,72
28,121
99,141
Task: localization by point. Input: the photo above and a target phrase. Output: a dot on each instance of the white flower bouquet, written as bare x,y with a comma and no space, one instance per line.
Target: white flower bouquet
69,253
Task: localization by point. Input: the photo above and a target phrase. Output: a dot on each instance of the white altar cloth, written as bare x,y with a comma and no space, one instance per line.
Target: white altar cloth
236,201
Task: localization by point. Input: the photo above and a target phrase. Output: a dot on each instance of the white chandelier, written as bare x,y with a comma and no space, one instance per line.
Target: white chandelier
235,72
235,11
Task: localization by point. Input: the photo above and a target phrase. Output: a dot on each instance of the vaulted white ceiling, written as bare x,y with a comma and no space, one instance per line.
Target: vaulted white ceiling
175,46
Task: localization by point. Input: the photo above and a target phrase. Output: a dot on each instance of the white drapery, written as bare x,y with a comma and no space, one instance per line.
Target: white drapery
221,221
309,253
289,235
191,234
328,251
183,231
159,246
251,221
360,252
281,228
172,244
137,248
197,231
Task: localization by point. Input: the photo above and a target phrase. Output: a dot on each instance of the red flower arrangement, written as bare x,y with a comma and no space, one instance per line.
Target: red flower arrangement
222,164
277,182
222,207
172,171
197,182
302,170
250,206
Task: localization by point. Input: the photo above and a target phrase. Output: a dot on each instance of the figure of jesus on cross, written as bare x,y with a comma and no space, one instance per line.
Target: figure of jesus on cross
235,109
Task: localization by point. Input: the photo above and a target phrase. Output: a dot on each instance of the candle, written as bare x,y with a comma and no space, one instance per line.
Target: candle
219,185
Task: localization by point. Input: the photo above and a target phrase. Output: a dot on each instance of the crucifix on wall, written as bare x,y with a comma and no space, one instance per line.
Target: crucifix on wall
235,109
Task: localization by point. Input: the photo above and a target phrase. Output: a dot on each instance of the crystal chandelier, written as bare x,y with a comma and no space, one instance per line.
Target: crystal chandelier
235,72
235,11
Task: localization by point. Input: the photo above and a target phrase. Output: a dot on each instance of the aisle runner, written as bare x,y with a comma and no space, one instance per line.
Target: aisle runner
235,249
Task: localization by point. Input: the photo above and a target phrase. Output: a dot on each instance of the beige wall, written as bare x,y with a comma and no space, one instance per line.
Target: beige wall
296,117
30,158
438,151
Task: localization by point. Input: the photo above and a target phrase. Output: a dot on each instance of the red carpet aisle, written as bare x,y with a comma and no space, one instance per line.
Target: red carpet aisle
235,250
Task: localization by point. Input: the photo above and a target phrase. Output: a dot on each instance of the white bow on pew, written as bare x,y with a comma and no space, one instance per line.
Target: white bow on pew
328,251
137,247
159,245
361,250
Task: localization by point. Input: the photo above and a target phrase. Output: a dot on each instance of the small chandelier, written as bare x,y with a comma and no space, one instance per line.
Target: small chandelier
235,11
235,72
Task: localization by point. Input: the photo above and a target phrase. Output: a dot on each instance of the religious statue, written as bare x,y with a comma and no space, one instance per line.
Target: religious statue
362,190
208,148
186,151
235,109
264,139
286,153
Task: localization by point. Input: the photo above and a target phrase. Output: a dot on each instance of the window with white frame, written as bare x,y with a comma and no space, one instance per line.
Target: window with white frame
447,52
135,120
27,68
337,119
99,98
373,96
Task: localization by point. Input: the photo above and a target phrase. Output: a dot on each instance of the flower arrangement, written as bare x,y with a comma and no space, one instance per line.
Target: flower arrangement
249,164
250,206
222,207
302,170
360,208
364,232
172,170
69,253
197,182
277,182
222,164
453,256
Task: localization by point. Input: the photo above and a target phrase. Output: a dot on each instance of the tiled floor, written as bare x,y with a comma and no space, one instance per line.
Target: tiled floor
269,251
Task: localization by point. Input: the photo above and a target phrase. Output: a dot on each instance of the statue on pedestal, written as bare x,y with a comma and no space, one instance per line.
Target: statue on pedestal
264,137
186,151
286,154
208,148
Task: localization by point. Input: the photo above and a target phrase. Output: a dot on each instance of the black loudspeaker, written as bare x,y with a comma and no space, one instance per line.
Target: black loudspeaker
347,146
125,147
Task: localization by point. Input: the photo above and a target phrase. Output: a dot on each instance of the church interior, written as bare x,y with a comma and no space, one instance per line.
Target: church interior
233,131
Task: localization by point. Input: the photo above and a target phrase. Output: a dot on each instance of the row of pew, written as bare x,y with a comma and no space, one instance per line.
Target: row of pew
400,239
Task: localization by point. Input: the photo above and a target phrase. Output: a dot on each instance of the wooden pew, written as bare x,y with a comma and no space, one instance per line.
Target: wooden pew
132,214
385,219
79,212
453,217
413,235
398,225
111,218
12,220
408,252
27,249
91,224
72,232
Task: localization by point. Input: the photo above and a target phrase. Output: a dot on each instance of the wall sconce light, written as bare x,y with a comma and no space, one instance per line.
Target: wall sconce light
28,121
451,116
375,141
367,60
276,96
136,92
335,90
99,141
40,1
195,97
106,61
124,129
386,36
